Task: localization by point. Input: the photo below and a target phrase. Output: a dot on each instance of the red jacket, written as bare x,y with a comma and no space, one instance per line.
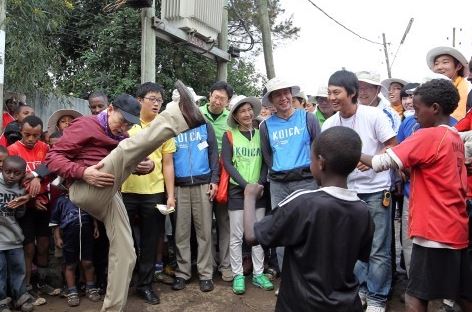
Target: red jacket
83,144
465,124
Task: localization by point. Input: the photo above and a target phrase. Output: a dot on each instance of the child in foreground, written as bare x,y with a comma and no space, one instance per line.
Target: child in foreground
12,261
441,264
324,231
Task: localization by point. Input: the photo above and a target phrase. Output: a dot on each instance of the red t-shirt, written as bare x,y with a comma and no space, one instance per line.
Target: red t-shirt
465,124
438,185
33,157
7,118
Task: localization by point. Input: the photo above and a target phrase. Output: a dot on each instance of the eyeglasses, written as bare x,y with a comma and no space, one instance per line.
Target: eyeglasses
155,100
220,98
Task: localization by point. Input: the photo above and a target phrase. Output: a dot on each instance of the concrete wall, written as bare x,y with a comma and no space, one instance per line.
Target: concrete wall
45,105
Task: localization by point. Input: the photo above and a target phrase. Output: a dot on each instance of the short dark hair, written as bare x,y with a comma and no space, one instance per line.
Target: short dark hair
222,85
17,160
33,121
20,107
340,147
408,86
148,87
346,79
439,91
96,94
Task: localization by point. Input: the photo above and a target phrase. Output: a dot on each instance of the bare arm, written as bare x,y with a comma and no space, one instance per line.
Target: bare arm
366,160
168,172
251,193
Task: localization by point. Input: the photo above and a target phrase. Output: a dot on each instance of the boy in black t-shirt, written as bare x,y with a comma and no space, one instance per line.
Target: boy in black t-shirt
324,231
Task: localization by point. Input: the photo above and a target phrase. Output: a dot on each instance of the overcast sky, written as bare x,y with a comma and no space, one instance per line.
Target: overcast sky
324,47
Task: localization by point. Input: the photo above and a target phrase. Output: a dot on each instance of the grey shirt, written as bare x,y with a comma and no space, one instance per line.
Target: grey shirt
11,235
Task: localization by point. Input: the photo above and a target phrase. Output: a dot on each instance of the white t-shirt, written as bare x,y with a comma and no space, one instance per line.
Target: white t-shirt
374,128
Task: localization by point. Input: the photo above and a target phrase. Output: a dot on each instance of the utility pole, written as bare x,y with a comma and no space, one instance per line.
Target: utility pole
223,44
2,55
453,37
266,37
386,56
148,44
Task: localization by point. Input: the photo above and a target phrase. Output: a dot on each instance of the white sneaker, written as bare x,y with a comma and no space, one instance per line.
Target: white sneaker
277,292
375,309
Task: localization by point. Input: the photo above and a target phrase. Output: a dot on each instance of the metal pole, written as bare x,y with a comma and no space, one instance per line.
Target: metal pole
148,45
223,44
266,37
386,56
453,37
2,55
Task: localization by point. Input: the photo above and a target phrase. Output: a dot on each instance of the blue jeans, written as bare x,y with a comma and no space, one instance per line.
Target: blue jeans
278,192
375,277
12,270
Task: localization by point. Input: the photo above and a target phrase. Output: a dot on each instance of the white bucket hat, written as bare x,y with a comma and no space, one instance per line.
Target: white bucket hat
300,94
322,92
435,52
256,108
369,77
277,84
427,78
387,82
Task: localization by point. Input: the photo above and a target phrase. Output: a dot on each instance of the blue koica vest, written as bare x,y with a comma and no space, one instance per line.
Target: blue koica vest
289,141
191,155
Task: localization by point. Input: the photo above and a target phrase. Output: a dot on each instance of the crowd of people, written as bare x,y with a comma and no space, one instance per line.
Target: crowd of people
302,187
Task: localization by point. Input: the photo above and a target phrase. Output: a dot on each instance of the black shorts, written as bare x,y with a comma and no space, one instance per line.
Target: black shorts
440,273
34,223
76,249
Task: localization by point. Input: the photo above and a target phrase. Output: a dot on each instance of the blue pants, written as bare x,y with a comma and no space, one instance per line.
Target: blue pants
12,271
375,277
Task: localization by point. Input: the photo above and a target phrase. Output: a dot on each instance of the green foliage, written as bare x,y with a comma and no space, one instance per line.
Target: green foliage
32,54
243,20
74,47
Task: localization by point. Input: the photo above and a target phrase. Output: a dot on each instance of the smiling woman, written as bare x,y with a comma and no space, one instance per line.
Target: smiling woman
452,63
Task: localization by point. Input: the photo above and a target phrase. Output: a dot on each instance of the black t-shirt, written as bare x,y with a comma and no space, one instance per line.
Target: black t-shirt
325,232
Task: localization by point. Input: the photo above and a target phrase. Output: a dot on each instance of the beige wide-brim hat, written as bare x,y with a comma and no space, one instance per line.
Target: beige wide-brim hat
52,121
435,52
277,84
387,82
256,108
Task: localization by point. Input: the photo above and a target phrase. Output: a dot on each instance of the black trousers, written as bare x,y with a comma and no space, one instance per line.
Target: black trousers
150,223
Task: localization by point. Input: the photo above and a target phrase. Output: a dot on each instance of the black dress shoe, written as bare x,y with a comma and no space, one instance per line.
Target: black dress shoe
179,284
192,115
206,285
148,295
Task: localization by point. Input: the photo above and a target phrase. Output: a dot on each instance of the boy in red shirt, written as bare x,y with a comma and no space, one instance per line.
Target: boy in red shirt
35,223
441,263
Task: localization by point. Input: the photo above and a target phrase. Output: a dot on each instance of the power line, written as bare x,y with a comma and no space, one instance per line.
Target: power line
348,29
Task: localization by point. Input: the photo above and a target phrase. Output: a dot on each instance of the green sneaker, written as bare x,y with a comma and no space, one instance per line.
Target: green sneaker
239,285
262,281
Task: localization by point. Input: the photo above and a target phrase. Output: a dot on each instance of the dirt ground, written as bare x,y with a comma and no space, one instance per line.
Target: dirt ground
220,299
192,299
